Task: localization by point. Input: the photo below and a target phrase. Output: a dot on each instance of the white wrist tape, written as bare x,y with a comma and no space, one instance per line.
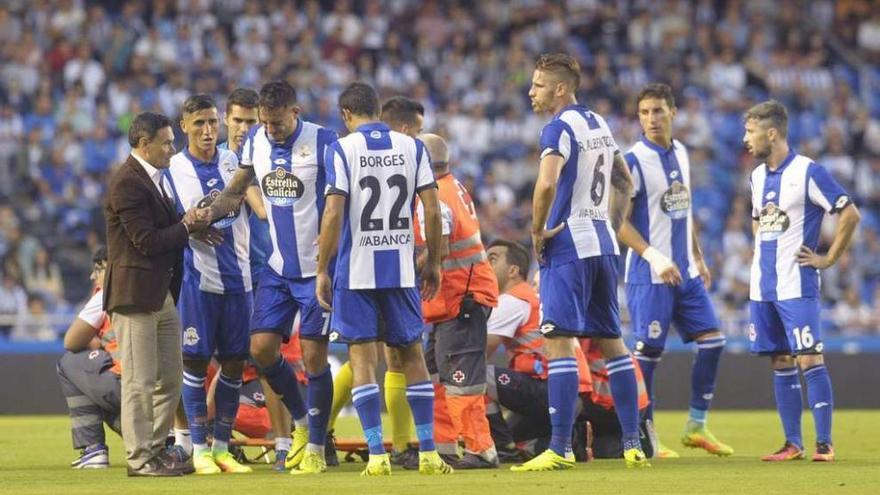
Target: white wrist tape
659,262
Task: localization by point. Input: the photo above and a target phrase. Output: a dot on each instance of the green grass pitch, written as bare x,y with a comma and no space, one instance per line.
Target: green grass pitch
35,452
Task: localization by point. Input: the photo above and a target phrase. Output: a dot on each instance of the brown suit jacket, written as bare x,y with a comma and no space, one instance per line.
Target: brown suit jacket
145,241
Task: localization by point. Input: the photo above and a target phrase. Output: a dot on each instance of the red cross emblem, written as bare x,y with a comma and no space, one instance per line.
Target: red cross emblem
458,376
503,379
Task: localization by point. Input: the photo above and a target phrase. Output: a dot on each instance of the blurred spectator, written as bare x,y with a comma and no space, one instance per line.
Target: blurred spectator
43,277
13,303
35,324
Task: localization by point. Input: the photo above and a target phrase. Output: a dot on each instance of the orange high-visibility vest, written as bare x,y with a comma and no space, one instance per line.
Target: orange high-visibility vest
601,387
466,267
525,349
108,342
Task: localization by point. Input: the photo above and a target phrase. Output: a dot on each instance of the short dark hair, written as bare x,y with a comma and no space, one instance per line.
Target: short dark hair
661,91
517,255
243,97
100,255
401,110
771,112
277,94
146,125
360,98
197,102
562,65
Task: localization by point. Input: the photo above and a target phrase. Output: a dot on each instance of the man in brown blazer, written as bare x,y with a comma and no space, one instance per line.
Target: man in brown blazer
145,239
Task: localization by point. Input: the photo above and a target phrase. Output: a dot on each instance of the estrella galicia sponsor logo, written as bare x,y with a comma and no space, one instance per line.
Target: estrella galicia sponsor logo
773,222
224,222
281,187
676,201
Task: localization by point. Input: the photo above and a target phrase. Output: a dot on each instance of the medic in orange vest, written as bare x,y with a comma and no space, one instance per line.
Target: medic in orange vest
456,347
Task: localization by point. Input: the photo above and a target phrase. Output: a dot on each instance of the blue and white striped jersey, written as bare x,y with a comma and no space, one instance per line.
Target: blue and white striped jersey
223,269
292,177
583,139
789,203
661,208
380,171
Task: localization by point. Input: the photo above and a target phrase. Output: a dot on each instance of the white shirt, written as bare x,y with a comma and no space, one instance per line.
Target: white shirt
154,173
93,312
510,314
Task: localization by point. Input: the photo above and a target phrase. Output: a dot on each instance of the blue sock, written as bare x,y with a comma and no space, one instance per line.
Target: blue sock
703,376
320,403
196,406
625,392
787,387
562,393
366,402
821,400
282,379
420,397
648,364
226,401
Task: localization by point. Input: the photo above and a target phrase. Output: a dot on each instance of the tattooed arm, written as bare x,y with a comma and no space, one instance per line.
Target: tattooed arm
622,188
232,195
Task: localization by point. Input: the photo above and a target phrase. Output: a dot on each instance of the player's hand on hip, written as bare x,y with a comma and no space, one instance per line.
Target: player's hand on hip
662,266
808,257
324,291
430,277
209,236
540,238
705,274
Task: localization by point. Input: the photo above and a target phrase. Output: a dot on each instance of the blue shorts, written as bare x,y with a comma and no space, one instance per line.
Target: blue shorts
214,322
277,300
356,315
654,307
785,327
579,298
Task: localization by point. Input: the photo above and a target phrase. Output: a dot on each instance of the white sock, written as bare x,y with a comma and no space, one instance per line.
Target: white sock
311,447
283,443
219,447
302,422
183,438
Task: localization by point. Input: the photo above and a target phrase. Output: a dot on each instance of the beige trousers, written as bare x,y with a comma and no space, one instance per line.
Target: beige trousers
152,375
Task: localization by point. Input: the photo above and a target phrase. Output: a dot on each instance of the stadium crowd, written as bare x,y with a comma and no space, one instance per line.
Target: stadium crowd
74,73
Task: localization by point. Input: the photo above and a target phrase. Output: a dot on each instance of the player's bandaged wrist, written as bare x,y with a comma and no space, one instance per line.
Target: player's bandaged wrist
658,261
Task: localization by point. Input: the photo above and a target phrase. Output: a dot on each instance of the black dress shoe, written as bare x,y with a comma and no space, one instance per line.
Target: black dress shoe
172,462
153,467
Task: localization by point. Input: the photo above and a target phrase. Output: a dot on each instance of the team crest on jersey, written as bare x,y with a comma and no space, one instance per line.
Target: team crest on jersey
673,174
208,200
190,336
676,201
752,334
211,182
770,195
655,330
281,187
772,222
228,166
304,151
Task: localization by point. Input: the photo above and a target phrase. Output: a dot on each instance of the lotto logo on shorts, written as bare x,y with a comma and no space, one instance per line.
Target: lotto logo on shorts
190,336
547,327
333,337
752,334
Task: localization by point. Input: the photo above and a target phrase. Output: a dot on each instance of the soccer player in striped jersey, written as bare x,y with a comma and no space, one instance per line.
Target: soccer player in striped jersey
373,175
790,196
581,197
286,156
666,276
215,300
